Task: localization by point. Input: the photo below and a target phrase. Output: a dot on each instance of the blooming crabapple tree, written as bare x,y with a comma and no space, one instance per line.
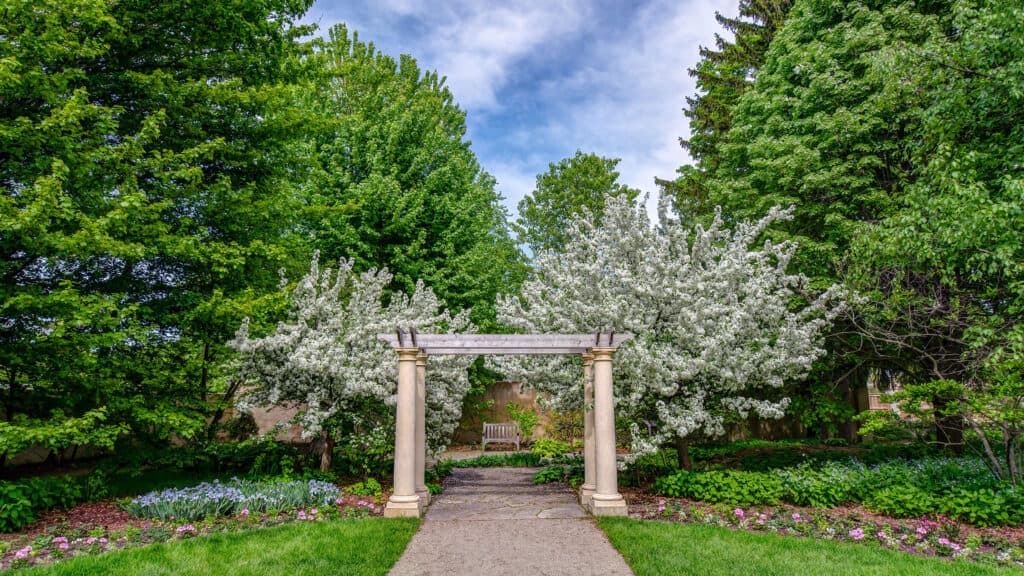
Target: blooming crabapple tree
720,325
326,359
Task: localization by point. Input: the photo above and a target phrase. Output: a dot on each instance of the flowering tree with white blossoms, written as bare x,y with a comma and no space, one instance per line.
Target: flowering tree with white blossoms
326,358
720,325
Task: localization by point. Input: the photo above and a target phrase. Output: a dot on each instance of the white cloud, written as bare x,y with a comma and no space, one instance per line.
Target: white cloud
633,92
622,96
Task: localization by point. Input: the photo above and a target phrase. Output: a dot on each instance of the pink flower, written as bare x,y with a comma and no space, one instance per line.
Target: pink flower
60,539
185,528
796,516
760,521
371,506
944,541
738,512
90,540
63,546
314,511
921,530
302,515
955,546
856,534
103,540
339,501
245,511
882,535
23,553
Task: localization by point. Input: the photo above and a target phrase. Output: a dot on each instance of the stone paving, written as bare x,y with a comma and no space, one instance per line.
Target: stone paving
495,521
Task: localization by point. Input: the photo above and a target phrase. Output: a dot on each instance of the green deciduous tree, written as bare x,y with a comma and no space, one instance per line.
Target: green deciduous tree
396,183
569,188
943,273
143,158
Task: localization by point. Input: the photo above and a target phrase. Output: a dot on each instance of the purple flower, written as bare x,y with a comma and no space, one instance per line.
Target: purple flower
738,512
856,534
796,516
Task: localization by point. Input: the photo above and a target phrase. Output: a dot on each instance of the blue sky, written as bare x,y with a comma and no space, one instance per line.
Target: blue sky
539,80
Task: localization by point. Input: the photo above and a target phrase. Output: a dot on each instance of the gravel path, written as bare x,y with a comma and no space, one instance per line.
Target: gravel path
496,522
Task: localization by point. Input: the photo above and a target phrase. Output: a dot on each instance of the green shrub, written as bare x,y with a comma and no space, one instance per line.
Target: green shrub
527,419
549,448
822,486
568,469
15,508
984,506
369,487
548,474
21,500
722,486
901,502
517,459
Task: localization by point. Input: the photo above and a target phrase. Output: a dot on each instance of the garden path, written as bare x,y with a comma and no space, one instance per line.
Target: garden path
496,522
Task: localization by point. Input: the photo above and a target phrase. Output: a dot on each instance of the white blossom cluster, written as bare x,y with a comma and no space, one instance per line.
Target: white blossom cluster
714,311
326,357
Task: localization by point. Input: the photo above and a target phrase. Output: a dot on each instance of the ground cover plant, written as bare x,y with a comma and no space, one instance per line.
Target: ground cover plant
367,547
959,488
660,548
233,497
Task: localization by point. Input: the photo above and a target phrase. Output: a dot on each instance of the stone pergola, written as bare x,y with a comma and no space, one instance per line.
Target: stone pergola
599,492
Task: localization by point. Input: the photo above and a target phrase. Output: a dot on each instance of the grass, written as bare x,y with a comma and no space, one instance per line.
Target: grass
366,547
659,548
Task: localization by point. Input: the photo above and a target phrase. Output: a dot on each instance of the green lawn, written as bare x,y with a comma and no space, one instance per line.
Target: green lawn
660,548
352,547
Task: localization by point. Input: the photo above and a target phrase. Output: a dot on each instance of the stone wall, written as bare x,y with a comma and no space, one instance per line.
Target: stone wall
471,427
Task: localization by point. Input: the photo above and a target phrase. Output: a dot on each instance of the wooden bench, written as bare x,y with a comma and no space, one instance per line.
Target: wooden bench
500,432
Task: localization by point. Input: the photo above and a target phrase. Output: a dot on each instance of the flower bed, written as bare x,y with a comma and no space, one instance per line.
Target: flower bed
229,498
956,487
937,536
70,534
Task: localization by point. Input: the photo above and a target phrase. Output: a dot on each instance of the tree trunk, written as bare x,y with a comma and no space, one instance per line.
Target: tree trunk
229,395
204,374
683,454
949,429
327,453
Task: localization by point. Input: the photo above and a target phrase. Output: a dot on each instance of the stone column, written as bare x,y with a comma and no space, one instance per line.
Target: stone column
404,501
421,429
589,464
606,500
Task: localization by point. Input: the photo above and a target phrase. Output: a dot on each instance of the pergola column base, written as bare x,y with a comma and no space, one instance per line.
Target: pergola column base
424,495
608,505
403,507
586,495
